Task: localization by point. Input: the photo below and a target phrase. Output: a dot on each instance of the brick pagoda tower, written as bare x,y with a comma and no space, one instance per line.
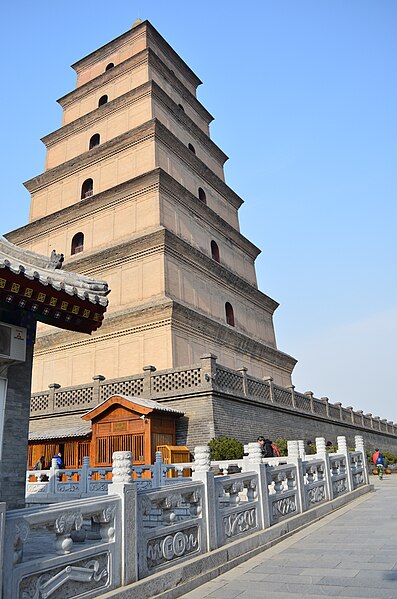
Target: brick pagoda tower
133,192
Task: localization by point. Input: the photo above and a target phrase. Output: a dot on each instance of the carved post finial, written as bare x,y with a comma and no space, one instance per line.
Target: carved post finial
293,449
254,453
320,445
301,448
122,467
342,444
202,460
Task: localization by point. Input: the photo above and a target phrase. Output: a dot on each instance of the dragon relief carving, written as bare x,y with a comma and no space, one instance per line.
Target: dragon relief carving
339,486
172,546
282,507
316,494
74,579
238,522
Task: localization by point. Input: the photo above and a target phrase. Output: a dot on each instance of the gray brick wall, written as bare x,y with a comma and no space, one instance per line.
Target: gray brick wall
246,420
15,437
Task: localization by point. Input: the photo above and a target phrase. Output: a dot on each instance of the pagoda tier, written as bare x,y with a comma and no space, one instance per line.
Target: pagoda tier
134,192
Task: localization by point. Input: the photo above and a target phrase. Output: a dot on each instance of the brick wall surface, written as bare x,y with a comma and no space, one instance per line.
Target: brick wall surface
245,421
16,424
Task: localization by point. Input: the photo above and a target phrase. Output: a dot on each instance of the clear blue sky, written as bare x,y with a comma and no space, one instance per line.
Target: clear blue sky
304,97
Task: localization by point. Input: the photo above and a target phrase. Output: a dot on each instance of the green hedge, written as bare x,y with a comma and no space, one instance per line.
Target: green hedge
223,448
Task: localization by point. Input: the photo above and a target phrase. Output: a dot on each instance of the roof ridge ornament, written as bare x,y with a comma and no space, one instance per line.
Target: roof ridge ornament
56,260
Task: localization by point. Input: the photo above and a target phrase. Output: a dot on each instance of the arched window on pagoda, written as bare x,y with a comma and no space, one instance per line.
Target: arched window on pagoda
191,148
215,252
87,189
77,243
229,314
109,66
102,100
95,141
202,196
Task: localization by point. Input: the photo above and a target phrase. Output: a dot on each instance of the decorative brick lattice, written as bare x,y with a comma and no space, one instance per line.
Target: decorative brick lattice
78,397
38,403
346,415
358,419
229,380
367,422
319,408
173,381
258,389
302,402
132,387
334,412
282,396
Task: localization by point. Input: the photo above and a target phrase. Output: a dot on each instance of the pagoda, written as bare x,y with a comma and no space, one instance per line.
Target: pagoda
133,192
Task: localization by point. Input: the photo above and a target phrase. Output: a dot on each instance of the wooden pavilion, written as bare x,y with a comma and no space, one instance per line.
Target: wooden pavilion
120,423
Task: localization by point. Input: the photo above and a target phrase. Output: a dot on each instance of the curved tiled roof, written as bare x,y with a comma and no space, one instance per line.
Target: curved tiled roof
48,272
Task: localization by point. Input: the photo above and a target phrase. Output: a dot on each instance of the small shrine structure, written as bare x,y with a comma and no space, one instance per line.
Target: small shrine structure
33,288
120,423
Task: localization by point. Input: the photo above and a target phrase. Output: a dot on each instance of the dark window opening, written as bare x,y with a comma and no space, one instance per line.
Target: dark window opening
215,252
95,141
109,66
102,100
77,243
181,107
202,196
87,189
191,148
229,314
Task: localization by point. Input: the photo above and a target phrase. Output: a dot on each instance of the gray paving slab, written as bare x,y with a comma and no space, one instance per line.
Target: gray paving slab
349,553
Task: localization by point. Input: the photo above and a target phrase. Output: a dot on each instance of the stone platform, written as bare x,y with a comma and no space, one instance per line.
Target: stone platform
349,553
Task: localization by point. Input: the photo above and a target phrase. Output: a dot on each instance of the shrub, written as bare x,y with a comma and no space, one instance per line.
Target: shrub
281,444
223,448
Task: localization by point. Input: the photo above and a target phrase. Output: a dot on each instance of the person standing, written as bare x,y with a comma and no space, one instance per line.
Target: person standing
58,458
40,464
266,447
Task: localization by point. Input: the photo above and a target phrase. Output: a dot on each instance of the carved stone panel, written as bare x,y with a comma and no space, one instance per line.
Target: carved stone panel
74,580
239,522
172,546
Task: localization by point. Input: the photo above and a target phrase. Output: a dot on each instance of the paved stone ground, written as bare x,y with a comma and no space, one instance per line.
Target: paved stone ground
350,553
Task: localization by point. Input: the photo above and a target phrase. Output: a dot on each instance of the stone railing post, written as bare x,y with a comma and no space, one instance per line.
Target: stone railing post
158,480
343,448
147,383
51,399
390,426
359,446
323,455
326,401
84,484
123,486
53,476
310,395
291,388
96,388
301,448
369,415
208,369
254,464
202,473
338,404
269,379
295,457
243,371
